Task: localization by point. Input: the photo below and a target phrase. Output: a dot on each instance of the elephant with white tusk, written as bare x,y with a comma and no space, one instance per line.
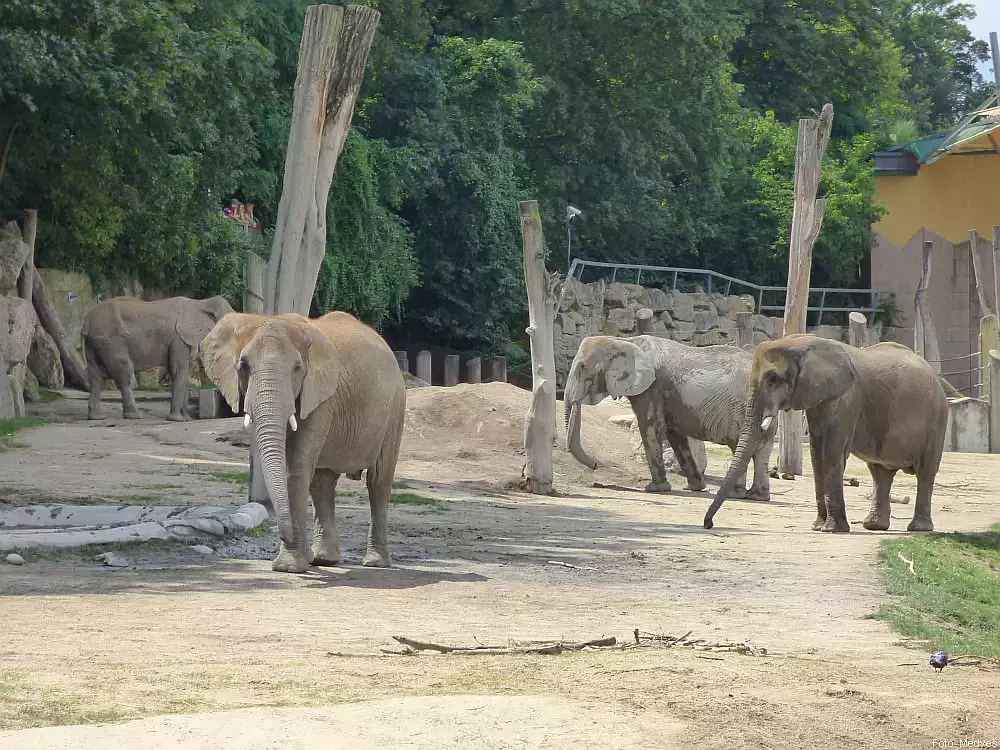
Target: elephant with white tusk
324,397
884,404
125,335
677,392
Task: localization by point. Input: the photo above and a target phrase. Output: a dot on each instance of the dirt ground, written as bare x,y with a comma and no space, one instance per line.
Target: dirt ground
184,651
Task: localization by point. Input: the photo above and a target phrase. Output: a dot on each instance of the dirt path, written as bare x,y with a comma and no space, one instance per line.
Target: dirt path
181,635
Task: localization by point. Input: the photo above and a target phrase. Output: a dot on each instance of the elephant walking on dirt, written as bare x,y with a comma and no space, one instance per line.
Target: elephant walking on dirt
884,404
677,392
325,397
125,335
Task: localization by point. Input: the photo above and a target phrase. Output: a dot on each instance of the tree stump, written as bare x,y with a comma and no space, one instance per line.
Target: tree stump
858,333
451,367
474,371
644,320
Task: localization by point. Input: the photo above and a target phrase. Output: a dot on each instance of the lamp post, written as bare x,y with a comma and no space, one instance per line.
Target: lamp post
571,213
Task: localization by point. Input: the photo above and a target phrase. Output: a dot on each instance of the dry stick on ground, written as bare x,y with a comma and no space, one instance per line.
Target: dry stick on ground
555,647
807,218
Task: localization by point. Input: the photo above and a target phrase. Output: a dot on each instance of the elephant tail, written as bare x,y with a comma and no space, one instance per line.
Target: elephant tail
83,341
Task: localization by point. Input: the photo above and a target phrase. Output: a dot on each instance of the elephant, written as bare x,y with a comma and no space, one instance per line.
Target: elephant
884,404
324,397
125,335
677,392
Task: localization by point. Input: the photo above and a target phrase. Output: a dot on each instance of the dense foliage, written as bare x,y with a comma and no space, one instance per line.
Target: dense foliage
671,125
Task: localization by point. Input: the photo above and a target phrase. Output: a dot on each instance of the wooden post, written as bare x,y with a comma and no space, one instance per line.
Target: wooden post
744,331
403,361
924,334
498,370
424,366
26,280
807,219
474,371
994,359
858,334
254,280
989,338
644,320
451,364
332,57
984,305
996,267
540,422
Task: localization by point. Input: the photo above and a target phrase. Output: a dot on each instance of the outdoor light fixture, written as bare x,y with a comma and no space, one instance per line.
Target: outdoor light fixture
571,213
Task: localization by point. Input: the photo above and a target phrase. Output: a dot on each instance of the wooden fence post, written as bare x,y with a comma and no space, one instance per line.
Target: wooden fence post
474,371
858,334
540,422
989,339
424,366
451,365
977,268
994,367
924,334
498,370
744,331
807,219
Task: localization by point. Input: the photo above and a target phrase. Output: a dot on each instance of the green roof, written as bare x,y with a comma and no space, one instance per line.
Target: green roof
955,140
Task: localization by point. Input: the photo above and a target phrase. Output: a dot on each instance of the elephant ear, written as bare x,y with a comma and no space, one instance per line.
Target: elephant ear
219,350
819,370
629,371
197,317
323,366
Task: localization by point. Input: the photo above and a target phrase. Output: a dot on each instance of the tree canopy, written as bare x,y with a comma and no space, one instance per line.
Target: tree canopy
671,125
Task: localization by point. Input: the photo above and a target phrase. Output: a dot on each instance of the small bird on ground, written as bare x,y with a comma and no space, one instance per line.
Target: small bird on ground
939,660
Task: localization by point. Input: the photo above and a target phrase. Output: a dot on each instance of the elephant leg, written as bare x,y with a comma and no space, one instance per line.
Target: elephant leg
296,559
326,538
835,453
816,457
925,488
739,490
646,418
878,516
122,372
96,378
179,357
682,450
760,488
379,481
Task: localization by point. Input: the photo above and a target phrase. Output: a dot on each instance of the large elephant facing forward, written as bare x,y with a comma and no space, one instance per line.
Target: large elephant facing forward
677,392
884,404
325,397
125,335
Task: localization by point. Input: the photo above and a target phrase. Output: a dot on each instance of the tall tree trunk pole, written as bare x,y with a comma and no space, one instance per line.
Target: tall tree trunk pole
332,56
807,218
924,334
540,423
984,305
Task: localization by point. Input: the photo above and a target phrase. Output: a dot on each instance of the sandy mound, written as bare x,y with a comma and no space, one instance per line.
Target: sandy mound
476,433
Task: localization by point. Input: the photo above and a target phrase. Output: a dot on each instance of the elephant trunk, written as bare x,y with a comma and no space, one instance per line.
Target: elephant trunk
751,438
573,419
270,419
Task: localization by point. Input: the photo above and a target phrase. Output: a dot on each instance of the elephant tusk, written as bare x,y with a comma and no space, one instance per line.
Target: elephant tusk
246,420
767,422
293,423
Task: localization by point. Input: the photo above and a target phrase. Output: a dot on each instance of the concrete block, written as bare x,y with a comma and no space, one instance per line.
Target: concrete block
209,403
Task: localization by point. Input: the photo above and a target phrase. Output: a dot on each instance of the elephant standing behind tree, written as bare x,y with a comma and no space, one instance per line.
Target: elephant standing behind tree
325,397
884,404
124,335
677,392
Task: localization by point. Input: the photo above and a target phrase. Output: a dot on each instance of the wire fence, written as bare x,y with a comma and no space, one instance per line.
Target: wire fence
975,372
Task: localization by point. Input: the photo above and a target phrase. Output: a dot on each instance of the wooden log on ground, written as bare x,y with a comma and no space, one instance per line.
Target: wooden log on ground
807,219
644,320
75,372
744,331
474,371
540,422
858,333
925,335
977,268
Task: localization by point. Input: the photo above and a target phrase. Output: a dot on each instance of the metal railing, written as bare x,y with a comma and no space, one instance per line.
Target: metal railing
578,266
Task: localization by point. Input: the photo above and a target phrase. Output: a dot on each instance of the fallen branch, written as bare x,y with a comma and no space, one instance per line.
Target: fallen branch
698,644
908,562
569,565
616,487
543,647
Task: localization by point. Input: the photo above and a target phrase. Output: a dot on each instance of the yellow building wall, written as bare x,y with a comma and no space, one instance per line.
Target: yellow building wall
951,196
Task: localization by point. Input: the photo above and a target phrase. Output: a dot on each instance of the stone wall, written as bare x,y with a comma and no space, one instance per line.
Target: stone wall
694,318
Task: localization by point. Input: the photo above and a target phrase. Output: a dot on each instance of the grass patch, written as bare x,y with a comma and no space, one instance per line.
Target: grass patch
952,600
9,427
233,477
409,498
400,486
45,396
131,550
154,486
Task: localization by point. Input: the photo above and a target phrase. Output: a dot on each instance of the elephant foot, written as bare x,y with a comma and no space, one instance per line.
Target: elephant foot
658,486
836,527
697,484
759,495
325,562
819,523
96,416
738,492
376,559
325,557
286,562
131,414
874,523
920,524
176,417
